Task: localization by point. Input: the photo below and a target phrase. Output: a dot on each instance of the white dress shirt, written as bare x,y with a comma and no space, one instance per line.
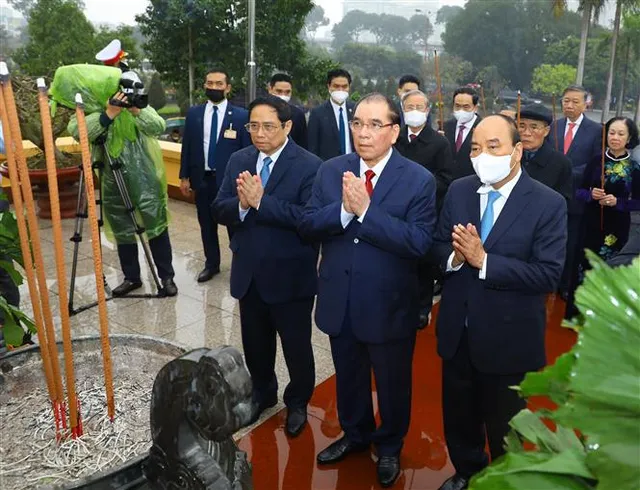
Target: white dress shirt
498,205
467,128
261,156
575,128
206,127
345,116
346,217
410,132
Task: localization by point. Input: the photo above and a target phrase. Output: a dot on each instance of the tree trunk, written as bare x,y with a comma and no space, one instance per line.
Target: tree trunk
620,105
584,34
614,41
637,118
191,87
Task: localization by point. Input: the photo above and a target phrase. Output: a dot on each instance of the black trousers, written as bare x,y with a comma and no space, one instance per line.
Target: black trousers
205,195
477,408
160,250
260,322
391,362
572,261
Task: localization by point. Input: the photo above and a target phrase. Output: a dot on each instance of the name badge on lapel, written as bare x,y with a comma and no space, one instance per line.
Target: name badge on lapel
230,133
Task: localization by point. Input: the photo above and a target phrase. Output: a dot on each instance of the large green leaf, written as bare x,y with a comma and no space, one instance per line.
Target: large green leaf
13,332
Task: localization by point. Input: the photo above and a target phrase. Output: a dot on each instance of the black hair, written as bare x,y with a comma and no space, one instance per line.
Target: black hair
404,79
631,127
378,97
280,77
219,69
276,103
576,88
468,91
338,72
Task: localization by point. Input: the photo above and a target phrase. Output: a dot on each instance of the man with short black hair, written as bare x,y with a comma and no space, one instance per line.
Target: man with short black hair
281,85
458,129
273,272
329,133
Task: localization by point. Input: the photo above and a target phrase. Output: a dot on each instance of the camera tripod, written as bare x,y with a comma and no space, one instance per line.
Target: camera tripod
82,213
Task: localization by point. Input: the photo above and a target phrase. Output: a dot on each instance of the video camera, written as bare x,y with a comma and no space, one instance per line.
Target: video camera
133,88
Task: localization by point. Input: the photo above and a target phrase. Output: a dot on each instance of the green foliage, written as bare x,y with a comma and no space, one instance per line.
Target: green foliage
157,97
596,389
315,19
552,79
446,13
377,62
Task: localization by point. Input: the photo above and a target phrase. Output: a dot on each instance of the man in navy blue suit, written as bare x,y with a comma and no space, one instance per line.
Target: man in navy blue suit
329,134
501,239
273,271
281,85
212,132
374,213
580,139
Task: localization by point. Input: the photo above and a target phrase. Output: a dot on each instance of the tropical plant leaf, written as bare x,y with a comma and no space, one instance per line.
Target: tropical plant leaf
15,276
13,332
553,381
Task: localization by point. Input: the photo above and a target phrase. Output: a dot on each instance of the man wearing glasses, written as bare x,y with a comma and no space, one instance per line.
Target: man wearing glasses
212,132
374,213
273,272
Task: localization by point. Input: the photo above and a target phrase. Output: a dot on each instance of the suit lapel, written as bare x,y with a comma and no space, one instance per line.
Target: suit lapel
391,173
349,118
331,118
513,207
226,122
473,205
282,165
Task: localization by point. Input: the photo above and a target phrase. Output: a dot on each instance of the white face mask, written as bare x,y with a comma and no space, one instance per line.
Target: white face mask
339,96
463,117
286,98
415,119
492,169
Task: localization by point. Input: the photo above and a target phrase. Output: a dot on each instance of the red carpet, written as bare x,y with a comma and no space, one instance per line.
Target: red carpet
280,463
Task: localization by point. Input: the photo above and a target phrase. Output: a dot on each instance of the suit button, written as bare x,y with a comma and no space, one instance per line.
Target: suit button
355,240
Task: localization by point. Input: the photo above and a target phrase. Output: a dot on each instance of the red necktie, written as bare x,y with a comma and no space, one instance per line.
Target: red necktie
569,137
369,174
412,137
460,138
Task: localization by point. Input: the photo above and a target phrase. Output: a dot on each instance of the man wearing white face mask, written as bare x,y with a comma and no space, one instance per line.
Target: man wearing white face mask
329,131
501,239
281,85
420,143
458,130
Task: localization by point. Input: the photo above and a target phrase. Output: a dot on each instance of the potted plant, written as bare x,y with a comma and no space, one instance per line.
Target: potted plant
68,170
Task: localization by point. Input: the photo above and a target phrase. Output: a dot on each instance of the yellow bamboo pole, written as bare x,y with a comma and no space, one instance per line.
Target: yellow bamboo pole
56,222
439,83
34,233
28,259
97,255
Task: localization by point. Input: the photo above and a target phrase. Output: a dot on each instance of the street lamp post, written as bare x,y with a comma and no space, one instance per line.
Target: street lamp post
251,62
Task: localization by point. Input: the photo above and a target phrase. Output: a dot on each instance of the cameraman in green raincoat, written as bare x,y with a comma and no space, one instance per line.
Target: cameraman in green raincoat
130,136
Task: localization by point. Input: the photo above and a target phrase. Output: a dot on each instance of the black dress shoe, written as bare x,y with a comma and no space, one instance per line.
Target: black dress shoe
169,287
258,408
456,482
296,420
339,450
388,470
126,287
425,317
208,273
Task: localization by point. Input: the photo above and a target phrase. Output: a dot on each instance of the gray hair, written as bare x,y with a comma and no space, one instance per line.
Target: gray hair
414,92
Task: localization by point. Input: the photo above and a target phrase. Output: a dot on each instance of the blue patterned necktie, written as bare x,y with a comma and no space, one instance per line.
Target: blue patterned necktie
213,137
487,218
343,134
265,173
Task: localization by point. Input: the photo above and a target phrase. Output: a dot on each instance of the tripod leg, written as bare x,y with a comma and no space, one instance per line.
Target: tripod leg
81,215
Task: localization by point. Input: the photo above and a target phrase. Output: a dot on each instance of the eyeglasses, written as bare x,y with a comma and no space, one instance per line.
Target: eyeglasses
375,126
268,128
413,107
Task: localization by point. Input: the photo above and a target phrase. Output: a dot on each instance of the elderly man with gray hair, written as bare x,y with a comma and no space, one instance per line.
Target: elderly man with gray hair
419,142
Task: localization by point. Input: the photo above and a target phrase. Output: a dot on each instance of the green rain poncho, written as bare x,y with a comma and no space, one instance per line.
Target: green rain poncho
130,139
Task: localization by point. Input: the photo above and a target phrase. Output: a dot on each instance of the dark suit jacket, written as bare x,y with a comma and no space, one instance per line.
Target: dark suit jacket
505,313
266,246
299,127
192,155
553,169
461,159
586,145
432,151
369,270
324,136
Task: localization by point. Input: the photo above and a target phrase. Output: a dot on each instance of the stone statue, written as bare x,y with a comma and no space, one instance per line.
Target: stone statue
199,401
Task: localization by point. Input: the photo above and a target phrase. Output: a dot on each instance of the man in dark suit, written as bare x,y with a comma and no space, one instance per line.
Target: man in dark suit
329,133
501,239
212,132
408,83
540,160
273,272
458,130
281,85
580,139
374,214
420,143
